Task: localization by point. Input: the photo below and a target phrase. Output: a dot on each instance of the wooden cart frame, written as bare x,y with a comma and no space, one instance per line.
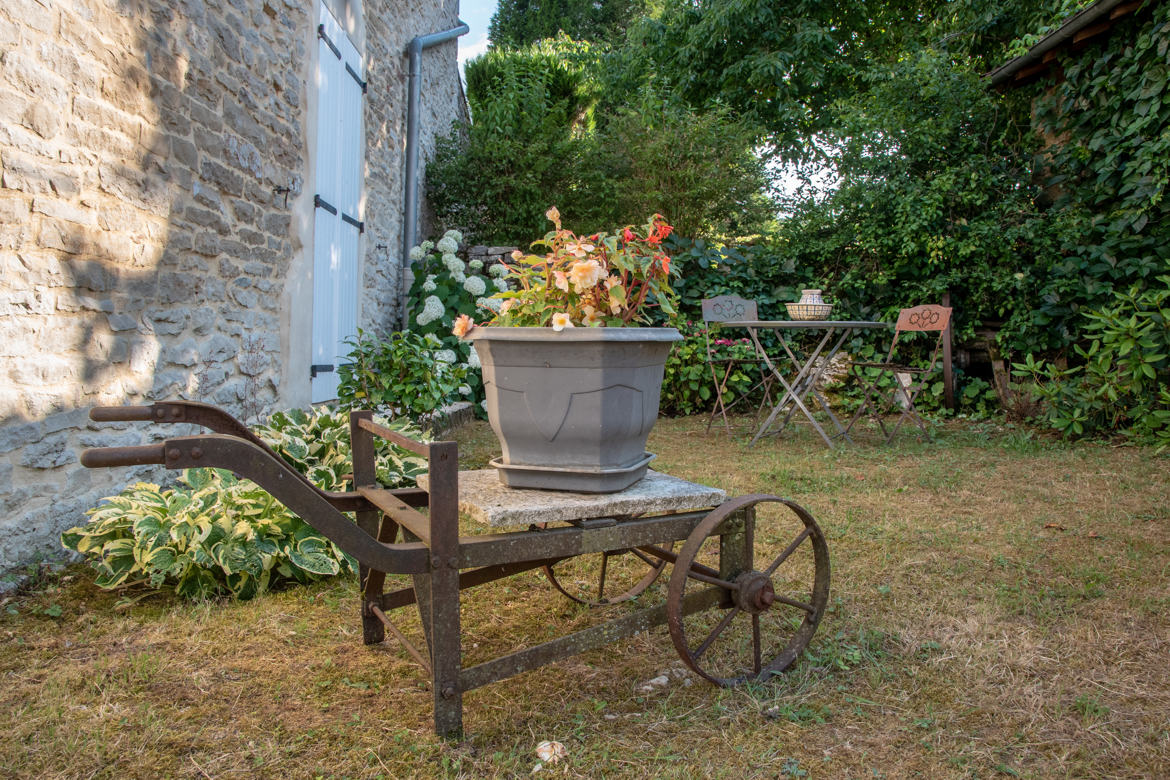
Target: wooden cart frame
392,536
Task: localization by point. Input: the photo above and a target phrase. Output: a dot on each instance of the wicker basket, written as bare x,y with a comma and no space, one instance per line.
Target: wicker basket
809,311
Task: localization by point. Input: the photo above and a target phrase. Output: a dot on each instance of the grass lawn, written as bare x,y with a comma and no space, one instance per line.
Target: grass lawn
1000,606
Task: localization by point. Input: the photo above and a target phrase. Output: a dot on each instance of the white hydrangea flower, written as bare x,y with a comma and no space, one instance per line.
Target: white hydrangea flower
464,390
447,245
475,264
483,404
499,270
501,284
473,358
490,303
475,285
429,285
454,235
417,253
427,245
445,355
459,277
453,263
432,310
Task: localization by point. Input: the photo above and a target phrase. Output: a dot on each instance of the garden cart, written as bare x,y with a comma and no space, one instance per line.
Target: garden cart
746,591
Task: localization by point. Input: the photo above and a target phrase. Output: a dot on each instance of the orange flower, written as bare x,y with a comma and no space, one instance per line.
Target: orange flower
463,324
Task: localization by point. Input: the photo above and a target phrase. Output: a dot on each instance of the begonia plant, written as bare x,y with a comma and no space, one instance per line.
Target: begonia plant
600,280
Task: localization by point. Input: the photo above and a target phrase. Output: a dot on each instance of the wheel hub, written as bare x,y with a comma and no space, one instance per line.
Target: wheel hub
755,593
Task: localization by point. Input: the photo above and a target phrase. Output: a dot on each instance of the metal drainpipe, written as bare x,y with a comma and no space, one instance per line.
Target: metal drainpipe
414,98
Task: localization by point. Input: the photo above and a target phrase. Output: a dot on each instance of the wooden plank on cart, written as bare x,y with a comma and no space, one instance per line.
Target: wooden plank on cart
396,510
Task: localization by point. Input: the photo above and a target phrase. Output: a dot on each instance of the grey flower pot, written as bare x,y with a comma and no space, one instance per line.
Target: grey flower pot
572,410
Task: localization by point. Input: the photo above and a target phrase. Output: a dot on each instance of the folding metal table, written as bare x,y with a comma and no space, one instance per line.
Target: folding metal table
808,369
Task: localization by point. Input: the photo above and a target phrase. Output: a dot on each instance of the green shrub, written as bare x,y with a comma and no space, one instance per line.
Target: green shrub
215,535
1119,382
403,375
496,176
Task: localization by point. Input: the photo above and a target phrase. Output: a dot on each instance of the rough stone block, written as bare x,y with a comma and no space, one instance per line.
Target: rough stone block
219,349
63,210
164,322
49,453
19,434
228,181
119,322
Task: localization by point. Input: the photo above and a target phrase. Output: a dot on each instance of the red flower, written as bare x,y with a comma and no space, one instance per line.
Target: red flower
627,235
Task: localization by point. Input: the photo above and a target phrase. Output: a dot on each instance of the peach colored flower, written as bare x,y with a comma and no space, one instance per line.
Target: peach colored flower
579,248
554,216
561,280
517,254
615,304
463,324
584,275
592,316
612,282
560,321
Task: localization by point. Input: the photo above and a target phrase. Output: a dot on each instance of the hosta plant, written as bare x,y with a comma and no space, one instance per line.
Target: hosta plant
216,535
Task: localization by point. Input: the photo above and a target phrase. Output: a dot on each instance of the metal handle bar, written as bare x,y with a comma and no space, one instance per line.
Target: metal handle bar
121,413
106,457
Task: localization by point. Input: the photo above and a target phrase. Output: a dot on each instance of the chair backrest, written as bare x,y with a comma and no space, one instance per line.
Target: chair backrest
727,308
926,318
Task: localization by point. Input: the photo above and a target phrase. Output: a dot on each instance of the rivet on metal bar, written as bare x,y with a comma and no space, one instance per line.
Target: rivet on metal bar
402,640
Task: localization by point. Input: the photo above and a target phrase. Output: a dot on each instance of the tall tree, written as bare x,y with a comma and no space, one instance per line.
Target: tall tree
517,23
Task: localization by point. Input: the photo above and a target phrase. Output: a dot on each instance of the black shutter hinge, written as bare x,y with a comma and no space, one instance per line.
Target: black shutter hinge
361,226
320,368
321,203
321,34
356,77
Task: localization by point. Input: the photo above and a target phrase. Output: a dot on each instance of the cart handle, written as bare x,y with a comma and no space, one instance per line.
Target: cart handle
106,457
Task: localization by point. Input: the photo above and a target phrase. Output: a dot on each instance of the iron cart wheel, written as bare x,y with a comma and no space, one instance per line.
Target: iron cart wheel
746,596
601,579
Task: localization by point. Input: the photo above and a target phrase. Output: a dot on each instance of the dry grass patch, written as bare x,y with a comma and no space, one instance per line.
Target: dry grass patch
999,608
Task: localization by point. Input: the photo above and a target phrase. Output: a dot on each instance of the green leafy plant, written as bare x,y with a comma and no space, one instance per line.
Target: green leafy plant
216,535
403,375
1118,383
688,386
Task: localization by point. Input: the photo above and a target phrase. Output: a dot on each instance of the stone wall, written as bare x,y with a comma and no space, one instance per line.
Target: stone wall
389,29
156,218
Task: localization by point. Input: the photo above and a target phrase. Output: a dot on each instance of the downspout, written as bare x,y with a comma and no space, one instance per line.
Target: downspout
413,100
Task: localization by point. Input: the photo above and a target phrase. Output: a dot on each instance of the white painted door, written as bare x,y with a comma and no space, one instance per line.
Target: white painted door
337,226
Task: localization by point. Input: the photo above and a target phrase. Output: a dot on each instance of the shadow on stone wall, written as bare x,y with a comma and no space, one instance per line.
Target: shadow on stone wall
151,172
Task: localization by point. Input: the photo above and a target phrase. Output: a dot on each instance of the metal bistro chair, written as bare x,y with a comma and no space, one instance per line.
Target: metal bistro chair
929,318
731,308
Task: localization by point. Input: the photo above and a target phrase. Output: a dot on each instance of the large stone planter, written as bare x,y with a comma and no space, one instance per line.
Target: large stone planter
572,410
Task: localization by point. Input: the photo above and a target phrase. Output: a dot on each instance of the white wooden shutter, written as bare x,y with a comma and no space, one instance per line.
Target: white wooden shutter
337,225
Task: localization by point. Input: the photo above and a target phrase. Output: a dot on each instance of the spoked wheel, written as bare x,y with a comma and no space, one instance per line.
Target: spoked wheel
601,579
744,602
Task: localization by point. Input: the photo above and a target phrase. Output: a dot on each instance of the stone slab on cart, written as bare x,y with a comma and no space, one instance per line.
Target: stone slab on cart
483,498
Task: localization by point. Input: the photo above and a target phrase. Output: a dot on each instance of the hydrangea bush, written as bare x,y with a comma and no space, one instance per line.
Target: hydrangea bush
446,287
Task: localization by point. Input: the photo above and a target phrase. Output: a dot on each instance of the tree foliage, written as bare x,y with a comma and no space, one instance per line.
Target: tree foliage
519,23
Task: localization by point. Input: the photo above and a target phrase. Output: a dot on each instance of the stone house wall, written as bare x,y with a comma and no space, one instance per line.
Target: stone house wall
156,217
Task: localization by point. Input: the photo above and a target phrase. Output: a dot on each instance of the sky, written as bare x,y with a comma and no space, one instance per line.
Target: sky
477,14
